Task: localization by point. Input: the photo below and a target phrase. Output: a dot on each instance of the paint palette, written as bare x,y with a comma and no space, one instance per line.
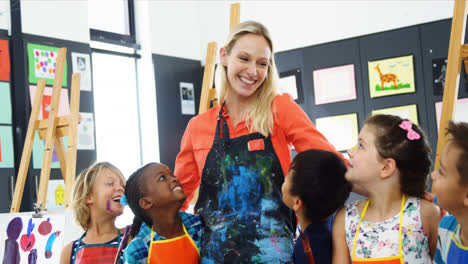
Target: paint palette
24,239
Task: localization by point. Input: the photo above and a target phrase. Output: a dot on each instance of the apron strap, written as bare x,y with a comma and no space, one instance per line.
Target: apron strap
226,138
402,207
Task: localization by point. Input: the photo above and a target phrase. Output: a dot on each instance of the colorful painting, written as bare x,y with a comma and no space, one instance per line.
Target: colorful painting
38,153
391,76
4,60
86,132
409,112
42,63
5,103
31,240
334,84
461,111
64,105
342,130
7,159
82,64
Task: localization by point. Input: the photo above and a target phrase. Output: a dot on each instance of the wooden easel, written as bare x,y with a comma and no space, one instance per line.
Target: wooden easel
52,130
209,97
457,52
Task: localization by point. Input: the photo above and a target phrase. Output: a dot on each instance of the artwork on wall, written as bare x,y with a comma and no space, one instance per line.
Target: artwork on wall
391,76
4,60
291,83
5,103
439,68
334,84
55,194
82,64
64,105
42,63
86,132
38,152
187,98
461,111
7,159
405,112
341,130
25,239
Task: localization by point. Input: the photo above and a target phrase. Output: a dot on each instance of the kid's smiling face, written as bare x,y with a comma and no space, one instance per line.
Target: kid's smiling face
106,192
364,164
161,188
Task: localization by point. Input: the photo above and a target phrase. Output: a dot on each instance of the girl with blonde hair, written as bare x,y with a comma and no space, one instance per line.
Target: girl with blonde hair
239,152
96,205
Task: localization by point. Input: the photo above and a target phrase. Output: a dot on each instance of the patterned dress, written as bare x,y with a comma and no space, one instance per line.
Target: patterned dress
377,240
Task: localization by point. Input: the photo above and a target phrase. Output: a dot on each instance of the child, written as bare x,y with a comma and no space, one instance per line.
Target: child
315,187
96,205
450,184
161,233
391,163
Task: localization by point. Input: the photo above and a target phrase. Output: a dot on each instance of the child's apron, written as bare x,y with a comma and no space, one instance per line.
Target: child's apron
457,253
180,249
387,260
95,253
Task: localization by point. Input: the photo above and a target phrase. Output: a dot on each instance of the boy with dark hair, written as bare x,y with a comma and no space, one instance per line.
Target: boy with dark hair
450,184
315,188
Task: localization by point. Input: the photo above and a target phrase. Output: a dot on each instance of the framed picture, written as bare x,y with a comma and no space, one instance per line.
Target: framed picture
82,64
4,60
291,83
391,76
187,98
439,68
5,103
64,105
42,62
409,112
461,111
7,160
341,131
334,84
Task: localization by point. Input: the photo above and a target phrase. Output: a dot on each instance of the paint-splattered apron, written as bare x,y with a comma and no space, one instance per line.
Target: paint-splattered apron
240,202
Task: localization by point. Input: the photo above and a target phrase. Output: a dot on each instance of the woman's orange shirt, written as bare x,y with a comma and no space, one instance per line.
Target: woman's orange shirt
292,127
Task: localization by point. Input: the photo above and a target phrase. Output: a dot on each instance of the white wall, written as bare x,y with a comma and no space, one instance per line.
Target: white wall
5,20
175,29
62,19
183,28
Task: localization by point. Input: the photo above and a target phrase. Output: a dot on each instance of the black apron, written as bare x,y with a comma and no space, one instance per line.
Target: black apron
240,201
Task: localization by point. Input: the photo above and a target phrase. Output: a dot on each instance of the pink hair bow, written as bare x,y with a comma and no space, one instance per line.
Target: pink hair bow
411,135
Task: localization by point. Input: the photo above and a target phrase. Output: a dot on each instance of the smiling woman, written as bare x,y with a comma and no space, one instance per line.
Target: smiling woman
96,205
239,152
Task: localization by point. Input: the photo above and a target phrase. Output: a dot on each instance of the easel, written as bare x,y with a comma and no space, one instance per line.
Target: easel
457,53
209,97
52,130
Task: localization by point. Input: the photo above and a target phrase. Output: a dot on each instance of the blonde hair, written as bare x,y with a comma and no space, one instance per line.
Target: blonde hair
259,115
83,187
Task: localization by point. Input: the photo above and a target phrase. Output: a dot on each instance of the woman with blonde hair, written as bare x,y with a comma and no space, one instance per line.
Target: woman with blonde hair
239,152
96,205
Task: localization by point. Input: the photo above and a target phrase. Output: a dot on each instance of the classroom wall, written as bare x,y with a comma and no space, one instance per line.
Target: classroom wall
293,24
66,20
